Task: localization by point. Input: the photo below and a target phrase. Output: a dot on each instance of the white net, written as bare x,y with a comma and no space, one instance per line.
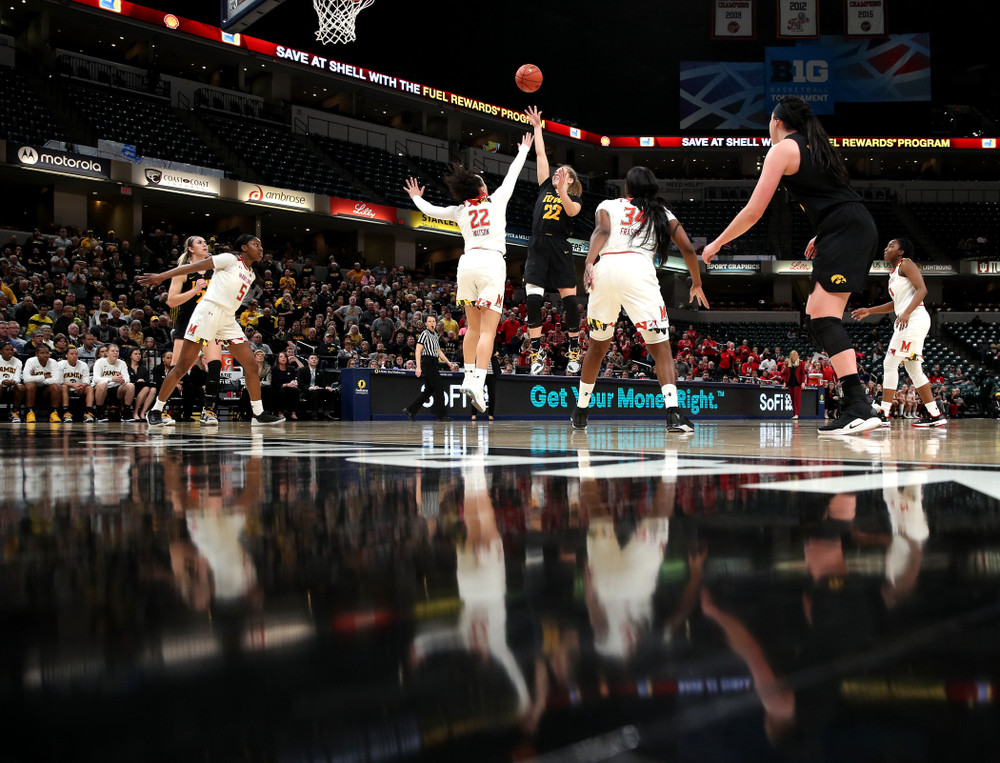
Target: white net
336,19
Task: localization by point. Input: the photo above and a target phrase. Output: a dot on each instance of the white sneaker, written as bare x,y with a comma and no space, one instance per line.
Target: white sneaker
476,397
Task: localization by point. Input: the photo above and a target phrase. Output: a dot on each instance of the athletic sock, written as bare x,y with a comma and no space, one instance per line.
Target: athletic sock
257,406
586,390
159,405
479,378
468,368
854,391
886,406
932,408
669,395
574,342
536,343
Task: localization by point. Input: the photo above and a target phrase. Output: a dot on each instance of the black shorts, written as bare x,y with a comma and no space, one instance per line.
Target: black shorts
178,332
550,263
846,246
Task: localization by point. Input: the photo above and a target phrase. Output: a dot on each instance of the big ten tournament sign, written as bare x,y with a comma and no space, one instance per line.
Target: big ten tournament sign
382,394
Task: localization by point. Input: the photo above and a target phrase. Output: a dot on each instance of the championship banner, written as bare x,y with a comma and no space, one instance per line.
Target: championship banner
798,18
864,18
734,20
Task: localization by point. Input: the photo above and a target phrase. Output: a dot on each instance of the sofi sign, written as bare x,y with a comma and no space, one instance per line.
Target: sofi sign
363,210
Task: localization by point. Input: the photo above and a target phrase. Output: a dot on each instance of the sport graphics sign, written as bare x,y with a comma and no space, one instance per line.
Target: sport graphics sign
363,210
174,180
50,160
276,197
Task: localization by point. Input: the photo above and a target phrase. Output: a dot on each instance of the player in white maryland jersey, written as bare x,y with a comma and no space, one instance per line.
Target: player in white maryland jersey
629,234
215,319
907,289
482,271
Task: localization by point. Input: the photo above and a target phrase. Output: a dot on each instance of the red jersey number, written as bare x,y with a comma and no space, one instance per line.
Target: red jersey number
632,216
480,218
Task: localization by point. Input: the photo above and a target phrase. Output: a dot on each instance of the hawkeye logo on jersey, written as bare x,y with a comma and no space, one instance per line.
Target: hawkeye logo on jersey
838,279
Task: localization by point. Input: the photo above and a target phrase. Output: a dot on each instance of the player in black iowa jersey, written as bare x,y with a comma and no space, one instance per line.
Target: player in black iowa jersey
550,256
184,295
802,159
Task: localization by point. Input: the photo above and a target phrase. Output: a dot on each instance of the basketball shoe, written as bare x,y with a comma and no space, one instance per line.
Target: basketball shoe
927,421
883,418
266,419
15,418
476,397
30,418
208,418
579,418
168,420
88,418
154,417
536,359
573,366
67,418
857,417
677,421
55,418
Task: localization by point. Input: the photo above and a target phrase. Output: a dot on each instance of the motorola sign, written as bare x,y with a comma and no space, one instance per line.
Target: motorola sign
65,162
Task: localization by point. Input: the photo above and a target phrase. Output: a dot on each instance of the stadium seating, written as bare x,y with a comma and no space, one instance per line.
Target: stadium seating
23,116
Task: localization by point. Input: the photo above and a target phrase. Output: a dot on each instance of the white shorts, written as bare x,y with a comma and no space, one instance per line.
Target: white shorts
627,279
482,275
211,321
908,344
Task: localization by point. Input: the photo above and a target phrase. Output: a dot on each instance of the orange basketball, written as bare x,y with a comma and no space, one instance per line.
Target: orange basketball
528,78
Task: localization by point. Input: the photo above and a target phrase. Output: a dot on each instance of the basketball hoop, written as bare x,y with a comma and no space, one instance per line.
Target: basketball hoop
336,19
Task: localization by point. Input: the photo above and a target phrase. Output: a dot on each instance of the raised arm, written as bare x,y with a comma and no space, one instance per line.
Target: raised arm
416,192
153,279
506,189
541,160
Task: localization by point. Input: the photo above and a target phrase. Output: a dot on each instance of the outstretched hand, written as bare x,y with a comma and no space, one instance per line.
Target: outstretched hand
861,313
413,188
534,116
149,279
527,140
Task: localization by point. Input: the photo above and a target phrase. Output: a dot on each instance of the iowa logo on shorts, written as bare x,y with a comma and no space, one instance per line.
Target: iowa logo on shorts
838,279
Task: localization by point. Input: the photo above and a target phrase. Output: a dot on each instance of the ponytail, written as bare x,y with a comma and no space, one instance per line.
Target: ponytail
641,185
797,115
186,254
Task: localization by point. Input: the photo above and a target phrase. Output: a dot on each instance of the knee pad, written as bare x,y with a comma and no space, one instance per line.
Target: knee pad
916,371
890,377
212,380
535,303
572,307
829,335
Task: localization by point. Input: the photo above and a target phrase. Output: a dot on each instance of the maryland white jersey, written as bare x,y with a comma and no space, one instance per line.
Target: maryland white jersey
901,289
483,222
11,369
78,374
230,282
626,220
105,371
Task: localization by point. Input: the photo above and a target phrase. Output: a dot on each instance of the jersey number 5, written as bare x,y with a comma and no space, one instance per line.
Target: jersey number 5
243,292
480,217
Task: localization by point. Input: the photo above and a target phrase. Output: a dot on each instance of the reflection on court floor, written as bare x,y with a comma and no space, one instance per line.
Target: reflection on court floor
499,592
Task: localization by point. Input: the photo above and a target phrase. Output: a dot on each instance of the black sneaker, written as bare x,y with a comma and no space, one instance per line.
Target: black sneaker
409,415
443,418
154,418
927,421
266,419
883,418
677,421
854,420
579,418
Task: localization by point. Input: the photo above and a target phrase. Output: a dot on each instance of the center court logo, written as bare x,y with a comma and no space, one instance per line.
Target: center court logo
27,155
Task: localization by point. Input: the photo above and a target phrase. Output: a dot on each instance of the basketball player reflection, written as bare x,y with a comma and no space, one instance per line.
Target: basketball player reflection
473,657
843,616
208,562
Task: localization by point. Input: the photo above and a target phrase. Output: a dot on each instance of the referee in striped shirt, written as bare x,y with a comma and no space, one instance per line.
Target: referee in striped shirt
428,352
